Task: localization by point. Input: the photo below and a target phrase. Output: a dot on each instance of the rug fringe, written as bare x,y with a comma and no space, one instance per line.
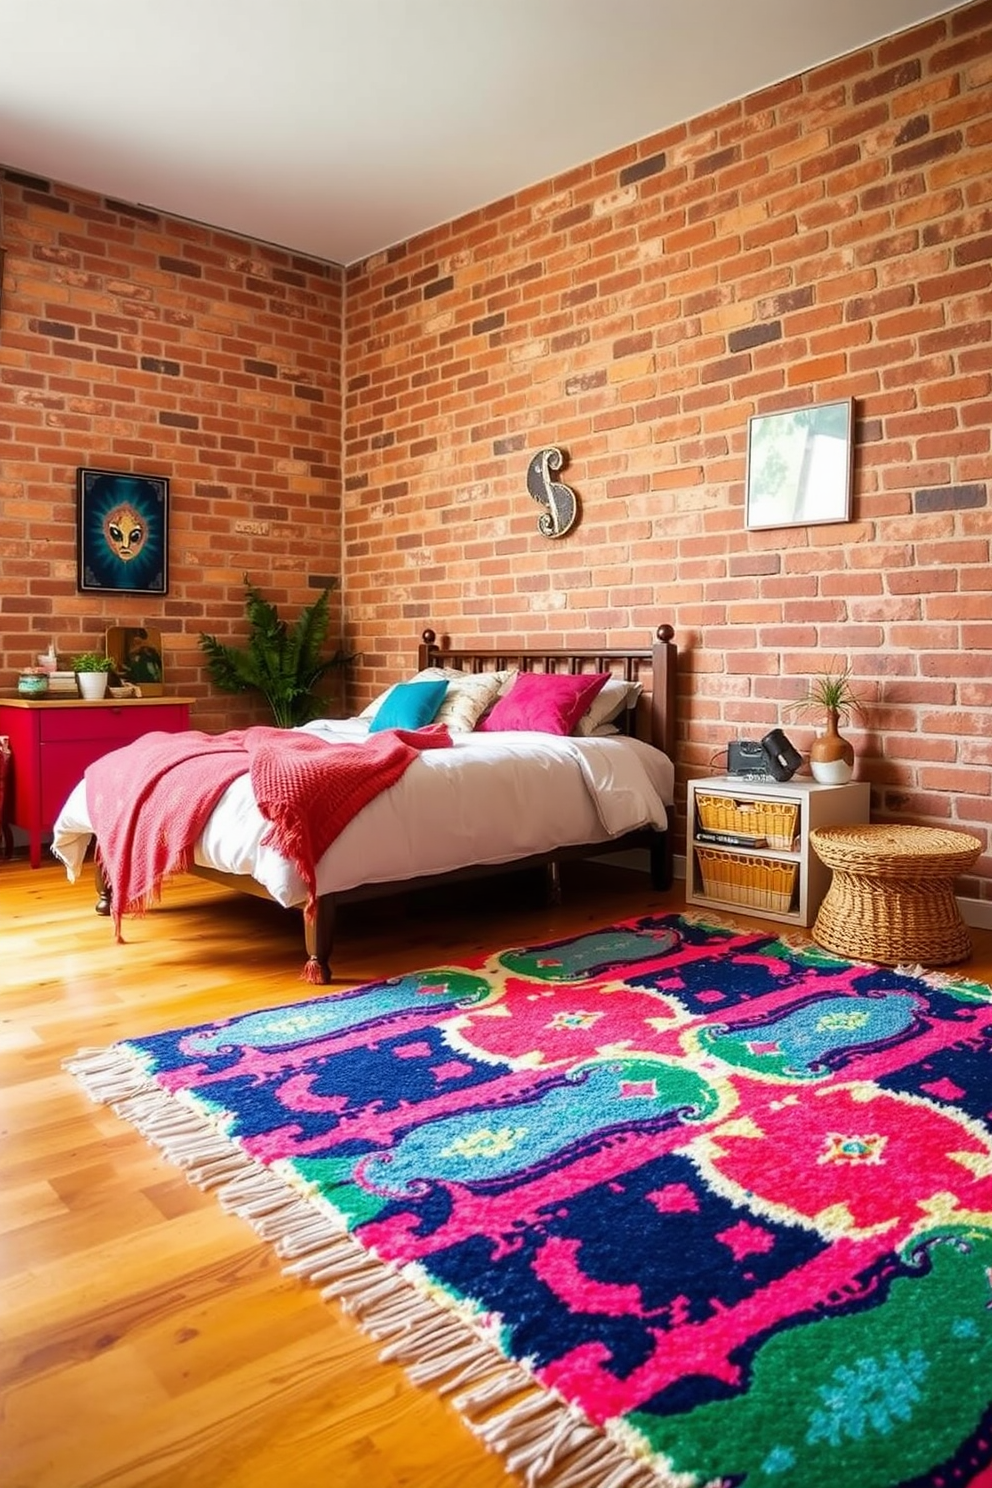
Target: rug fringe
539,1434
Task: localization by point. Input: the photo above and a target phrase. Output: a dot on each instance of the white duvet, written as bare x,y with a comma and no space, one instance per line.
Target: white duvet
491,798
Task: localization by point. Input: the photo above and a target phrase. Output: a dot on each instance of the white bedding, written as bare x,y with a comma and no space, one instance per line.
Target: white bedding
491,798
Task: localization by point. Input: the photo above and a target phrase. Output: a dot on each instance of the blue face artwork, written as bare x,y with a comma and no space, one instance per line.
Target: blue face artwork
123,533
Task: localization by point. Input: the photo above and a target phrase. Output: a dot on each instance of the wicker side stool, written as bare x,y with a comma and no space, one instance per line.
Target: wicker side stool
891,899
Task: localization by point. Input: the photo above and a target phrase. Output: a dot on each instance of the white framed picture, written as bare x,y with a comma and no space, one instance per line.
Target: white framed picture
799,465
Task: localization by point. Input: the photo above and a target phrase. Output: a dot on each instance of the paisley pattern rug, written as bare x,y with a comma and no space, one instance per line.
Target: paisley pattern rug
666,1203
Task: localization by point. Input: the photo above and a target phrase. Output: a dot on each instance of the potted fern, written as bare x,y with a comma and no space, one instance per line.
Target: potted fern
281,661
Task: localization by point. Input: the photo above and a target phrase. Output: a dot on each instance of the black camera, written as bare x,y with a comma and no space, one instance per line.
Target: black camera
773,758
783,757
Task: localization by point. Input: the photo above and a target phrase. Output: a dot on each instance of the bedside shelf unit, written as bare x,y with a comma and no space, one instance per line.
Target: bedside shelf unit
774,882
52,740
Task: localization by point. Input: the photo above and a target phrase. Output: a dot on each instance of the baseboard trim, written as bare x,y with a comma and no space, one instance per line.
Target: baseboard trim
976,912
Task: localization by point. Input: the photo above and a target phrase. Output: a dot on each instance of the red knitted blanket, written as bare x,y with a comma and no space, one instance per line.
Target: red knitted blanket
149,801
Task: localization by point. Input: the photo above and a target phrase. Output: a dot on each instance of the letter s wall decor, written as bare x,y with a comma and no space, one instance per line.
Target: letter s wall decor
560,506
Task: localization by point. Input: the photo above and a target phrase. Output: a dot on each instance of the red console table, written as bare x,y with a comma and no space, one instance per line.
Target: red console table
52,740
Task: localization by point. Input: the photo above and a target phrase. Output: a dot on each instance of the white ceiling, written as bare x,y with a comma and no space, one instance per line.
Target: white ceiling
340,127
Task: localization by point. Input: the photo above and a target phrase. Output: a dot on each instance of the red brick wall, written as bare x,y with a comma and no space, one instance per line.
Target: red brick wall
132,341
827,238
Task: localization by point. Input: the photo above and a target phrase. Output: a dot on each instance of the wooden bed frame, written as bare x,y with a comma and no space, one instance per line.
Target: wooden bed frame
654,720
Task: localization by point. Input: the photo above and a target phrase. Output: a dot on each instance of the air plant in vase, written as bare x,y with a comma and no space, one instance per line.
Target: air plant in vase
830,694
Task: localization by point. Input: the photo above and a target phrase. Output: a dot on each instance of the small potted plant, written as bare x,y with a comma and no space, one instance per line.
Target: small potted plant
92,673
831,757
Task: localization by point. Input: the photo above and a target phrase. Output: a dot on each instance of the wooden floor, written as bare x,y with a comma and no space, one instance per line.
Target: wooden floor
145,1336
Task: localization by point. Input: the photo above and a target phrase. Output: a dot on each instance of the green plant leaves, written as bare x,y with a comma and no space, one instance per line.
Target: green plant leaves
281,661
830,692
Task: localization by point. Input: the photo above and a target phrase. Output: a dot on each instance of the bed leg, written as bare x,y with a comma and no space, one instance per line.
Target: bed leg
662,852
320,941
552,879
102,905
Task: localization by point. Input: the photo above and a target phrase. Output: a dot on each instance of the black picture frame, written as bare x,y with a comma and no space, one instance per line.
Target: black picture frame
800,465
122,532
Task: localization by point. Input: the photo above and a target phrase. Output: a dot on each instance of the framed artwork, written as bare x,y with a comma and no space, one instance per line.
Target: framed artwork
122,532
136,651
799,466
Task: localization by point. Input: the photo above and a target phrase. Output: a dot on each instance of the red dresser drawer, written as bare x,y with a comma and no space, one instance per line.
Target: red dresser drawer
52,744
115,726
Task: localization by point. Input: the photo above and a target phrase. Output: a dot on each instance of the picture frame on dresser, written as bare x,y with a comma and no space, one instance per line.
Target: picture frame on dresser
122,532
136,651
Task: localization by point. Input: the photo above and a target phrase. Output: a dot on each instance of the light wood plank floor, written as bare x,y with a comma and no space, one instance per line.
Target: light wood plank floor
145,1336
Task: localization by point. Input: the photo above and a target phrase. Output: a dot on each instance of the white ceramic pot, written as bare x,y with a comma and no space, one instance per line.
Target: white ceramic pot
92,684
831,772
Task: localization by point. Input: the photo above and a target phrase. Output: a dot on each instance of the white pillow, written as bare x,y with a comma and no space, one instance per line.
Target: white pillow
610,701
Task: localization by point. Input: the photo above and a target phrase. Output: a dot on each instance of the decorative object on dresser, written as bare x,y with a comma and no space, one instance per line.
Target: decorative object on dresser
560,506
136,652
63,684
749,843
282,662
32,682
53,739
60,681
122,532
92,674
831,756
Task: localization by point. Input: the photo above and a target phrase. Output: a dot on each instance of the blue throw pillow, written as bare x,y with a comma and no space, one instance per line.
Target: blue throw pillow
409,706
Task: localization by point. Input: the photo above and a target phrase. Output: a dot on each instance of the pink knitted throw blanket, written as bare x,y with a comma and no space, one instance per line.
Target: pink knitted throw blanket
149,801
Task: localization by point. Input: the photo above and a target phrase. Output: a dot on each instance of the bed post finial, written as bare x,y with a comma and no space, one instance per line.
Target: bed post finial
427,650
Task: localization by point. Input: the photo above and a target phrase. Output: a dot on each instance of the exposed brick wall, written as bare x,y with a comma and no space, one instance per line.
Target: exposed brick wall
133,341
827,238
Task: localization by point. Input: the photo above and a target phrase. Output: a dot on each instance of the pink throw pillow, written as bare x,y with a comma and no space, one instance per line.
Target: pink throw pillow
543,702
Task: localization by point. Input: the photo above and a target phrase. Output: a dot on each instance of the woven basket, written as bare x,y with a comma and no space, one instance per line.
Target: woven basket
891,899
757,883
773,820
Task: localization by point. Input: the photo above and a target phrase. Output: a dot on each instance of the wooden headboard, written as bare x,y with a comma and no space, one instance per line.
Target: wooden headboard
653,666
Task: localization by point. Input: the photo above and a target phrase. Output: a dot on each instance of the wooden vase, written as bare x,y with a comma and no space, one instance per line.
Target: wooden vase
831,756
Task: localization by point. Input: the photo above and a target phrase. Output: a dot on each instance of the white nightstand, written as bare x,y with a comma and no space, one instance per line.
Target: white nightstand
779,878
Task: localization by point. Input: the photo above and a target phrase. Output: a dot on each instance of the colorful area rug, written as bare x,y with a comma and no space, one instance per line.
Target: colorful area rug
667,1203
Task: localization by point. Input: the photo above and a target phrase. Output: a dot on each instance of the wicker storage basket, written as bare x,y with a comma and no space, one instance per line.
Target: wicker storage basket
756,883
773,820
